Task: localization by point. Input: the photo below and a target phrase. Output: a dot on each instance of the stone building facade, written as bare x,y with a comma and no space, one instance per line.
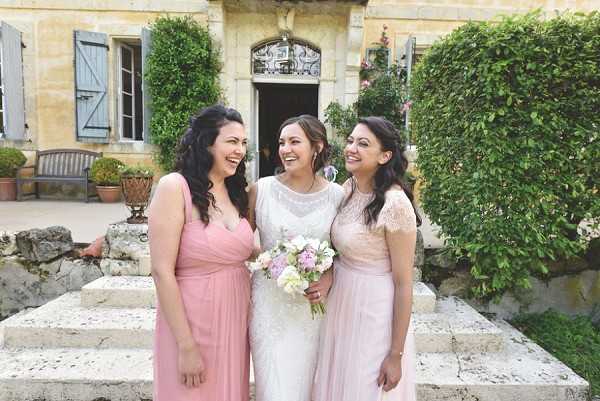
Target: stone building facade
51,109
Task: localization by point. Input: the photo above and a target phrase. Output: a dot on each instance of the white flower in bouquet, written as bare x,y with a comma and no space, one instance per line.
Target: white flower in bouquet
291,281
298,243
262,262
324,265
314,243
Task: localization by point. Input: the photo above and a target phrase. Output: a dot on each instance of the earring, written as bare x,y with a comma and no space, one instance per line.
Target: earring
314,155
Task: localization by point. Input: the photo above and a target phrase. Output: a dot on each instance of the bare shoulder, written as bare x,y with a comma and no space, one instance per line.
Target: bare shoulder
169,181
169,187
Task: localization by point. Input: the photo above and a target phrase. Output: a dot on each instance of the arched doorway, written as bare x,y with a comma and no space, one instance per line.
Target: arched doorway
285,75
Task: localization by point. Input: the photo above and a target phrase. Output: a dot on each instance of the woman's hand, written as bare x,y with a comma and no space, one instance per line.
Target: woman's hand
390,372
317,290
191,365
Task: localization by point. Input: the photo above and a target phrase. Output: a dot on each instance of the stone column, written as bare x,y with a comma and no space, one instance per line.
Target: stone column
216,27
356,23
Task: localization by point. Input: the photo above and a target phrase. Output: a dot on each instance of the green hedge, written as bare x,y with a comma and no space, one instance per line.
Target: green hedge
182,75
508,132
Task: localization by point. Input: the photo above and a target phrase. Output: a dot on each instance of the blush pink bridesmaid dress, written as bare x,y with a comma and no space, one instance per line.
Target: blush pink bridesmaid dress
215,289
357,333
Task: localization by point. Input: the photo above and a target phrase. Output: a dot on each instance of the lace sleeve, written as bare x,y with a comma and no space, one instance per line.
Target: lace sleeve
397,213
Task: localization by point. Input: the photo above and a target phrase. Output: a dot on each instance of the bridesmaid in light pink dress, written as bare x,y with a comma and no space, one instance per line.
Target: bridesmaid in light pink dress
367,346
199,241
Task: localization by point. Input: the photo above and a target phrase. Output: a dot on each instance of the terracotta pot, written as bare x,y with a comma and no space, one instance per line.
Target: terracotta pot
8,189
109,194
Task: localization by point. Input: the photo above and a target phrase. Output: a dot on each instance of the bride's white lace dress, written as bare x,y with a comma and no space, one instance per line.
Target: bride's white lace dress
284,338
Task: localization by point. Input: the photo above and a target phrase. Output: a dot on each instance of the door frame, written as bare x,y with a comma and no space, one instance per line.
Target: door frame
262,79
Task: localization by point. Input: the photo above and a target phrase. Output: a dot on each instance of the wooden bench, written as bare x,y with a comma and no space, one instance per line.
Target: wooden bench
64,166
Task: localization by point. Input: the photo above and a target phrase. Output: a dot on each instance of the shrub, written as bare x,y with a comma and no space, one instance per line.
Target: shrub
574,341
382,93
182,76
10,160
105,171
136,171
508,131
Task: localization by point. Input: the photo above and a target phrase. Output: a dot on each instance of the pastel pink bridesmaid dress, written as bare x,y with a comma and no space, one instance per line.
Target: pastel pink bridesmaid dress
215,289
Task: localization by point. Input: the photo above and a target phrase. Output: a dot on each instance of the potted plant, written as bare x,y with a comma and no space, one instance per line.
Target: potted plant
105,173
10,160
136,182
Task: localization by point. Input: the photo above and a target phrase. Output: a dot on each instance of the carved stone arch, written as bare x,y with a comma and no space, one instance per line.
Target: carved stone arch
286,56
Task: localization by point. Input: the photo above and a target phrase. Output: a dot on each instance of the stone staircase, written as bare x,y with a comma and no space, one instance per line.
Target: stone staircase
97,345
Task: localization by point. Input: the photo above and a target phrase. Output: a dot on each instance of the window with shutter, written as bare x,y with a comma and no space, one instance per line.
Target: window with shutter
131,113
12,102
91,86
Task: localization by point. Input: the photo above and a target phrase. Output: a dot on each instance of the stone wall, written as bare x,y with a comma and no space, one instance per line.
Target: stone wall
572,286
39,265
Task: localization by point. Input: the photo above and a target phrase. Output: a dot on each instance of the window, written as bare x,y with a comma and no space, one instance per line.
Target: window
286,57
131,115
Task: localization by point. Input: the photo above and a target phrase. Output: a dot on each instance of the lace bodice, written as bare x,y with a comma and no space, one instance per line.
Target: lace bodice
364,248
282,213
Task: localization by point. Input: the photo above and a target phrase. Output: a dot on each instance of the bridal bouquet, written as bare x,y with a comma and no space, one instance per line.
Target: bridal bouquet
295,264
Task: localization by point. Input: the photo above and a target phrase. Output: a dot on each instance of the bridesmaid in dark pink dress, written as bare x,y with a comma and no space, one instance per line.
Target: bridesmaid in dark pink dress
199,241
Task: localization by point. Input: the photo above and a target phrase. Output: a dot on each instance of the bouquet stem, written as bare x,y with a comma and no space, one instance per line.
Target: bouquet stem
317,309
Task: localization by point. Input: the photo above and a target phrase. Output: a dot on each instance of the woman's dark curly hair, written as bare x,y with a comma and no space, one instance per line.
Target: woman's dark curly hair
389,173
315,132
194,161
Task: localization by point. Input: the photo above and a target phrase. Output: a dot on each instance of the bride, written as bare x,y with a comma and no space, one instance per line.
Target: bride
284,337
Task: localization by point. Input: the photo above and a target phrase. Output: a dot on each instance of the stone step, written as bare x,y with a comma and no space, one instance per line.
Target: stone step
80,374
138,292
521,372
455,326
119,291
63,322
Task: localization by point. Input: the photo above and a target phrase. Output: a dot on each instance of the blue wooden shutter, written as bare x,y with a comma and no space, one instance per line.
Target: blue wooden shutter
147,106
12,81
91,86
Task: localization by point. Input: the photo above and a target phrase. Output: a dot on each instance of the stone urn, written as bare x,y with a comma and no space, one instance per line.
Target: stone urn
136,183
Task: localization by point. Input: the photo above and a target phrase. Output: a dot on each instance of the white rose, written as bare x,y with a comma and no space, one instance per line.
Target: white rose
299,242
313,243
264,259
291,281
254,266
324,265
